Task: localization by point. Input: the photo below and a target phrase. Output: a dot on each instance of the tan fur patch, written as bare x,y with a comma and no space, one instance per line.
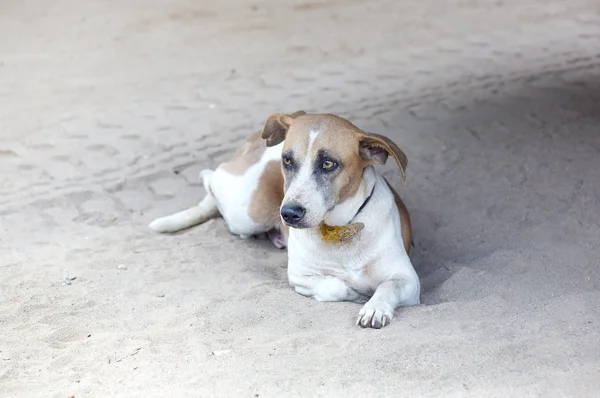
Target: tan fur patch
349,180
248,154
297,142
343,145
404,219
341,141
267,197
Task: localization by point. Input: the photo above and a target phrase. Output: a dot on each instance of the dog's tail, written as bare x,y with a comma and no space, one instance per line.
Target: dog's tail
204,211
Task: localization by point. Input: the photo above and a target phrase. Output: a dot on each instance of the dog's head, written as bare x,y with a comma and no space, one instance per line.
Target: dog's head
323,160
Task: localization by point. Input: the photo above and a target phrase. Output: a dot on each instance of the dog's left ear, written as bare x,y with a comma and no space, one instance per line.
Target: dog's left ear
375,148
276,127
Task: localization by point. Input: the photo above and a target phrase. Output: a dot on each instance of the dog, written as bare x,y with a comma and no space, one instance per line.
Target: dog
313,188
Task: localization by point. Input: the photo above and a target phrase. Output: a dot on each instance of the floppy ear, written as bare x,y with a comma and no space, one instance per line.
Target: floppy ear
375,148
276,127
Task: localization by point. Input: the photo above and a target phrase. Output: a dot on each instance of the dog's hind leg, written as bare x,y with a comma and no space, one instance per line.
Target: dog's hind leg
204,211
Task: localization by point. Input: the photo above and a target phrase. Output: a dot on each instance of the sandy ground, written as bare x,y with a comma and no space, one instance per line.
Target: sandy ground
108,110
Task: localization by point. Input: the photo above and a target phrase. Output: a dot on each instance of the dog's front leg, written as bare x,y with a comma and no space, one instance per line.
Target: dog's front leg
324,288
379,310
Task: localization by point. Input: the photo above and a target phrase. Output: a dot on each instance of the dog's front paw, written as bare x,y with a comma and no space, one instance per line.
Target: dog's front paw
375,315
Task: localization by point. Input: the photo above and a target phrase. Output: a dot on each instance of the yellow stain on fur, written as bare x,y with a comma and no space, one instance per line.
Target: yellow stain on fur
343,234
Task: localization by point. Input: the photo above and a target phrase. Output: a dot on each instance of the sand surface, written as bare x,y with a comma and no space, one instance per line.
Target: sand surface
109,109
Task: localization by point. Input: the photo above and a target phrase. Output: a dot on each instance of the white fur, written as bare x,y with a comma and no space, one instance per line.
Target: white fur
336,272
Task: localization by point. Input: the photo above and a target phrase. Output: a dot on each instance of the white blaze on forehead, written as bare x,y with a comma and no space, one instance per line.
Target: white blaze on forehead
306,169
303,187
311,139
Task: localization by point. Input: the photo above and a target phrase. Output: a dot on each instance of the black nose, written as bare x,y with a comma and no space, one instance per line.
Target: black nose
292,214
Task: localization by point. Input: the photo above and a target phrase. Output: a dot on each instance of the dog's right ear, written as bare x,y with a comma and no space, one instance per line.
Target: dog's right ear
277,126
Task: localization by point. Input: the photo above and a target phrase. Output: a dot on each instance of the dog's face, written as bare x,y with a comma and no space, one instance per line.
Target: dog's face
323,159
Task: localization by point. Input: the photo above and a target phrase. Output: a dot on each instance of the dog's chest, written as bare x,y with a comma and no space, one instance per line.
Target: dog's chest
309,255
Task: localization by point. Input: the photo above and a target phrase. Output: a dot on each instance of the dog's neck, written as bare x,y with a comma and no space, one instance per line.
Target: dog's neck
344,213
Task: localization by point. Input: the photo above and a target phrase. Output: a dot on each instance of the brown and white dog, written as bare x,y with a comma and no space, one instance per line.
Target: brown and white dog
349,232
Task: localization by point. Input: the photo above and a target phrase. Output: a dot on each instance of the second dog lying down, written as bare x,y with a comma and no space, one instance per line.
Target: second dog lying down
313,188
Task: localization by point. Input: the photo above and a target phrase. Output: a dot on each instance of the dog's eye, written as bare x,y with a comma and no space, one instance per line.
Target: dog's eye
287,161
329,165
